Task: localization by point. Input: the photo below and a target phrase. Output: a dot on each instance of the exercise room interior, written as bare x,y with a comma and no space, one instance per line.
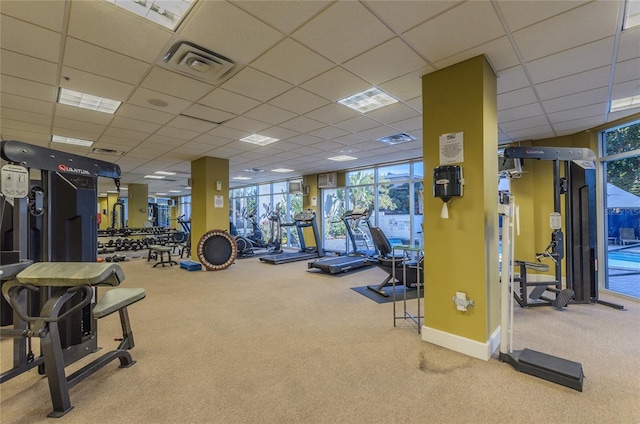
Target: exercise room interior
235,211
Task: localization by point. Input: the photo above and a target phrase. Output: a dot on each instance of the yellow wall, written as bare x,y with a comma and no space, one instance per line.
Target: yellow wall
461,253
103,203
138,205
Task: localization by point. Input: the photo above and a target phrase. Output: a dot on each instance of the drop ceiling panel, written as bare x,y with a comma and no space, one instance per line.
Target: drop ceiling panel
378,132
174,84
582,25
28,89
96,60
134,125
327,32
48,14
480,25
284,16
403,15
291,61
271,114
299,101
26,126
279,133
96,85
187,123
226,100
39,139
335,84
329,132
405,87
512,79
544,131
164,140
627,71
126,134
521,124
358,124
28,39
177,133
211,140
26,104
519,14
302,124
583,81
593,110
411,124
248,125
28,68
516,98
580,59
570,127
625,89
392,113
142,96
589,97
256,85
332,113
144,114
515,113
629,44
79,114
208,114
499,53
25,116
386,62
222,28
77,129
103,24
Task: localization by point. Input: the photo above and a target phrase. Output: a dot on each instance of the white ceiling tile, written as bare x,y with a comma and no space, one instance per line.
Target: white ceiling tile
26,136
357,124
302,124
402,15
96,60
579,59
144,114
392,113
127,134
499,54
515,113
350,139
212,140
573,101
25,116
77,129
627,71
271,114
332,113
292,62
299,101
279,133
625,89
103,24
405,87
386,62
177,133
230,102
207,114
519,14
142,96
285,16
516,98
134,125
192,124
336,84
521,124
415,104
629,45
571,127
593,110
303,140
579,26
411,124
162,140
378,132
48,14
80,114
327,32
96,85
477,18
614,116
229,133
544,131
28,68
512,79
227,30
26,104
28,89
256,85
242,123
329,132
28,39
583,81
174,84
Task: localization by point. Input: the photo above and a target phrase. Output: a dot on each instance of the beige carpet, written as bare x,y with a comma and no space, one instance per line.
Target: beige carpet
259,343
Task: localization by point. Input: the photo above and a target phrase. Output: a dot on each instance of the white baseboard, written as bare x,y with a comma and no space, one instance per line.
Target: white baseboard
463,345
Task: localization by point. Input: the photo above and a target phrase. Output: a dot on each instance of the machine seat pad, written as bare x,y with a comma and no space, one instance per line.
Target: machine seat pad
158,248
69,274
116,299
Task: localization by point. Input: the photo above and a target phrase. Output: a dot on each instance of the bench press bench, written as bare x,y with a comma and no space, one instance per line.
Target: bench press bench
67,281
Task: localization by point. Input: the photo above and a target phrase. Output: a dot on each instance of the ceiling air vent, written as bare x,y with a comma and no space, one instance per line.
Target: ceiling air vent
197,62
392,140
107,151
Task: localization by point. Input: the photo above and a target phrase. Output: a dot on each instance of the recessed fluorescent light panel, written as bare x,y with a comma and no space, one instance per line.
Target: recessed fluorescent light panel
392,140
368,100
342,158
168,13
260,140
165,173
631,15
624,104
282,170
69,140
87,101
154,177
241,178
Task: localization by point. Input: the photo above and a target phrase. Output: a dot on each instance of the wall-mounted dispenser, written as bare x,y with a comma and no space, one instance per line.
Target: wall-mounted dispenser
447,183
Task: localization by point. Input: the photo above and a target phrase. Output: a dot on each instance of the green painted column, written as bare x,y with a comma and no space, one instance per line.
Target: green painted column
138,205
461,252
209,197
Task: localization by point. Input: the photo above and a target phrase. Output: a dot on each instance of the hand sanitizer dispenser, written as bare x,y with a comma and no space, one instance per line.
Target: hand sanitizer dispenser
447,183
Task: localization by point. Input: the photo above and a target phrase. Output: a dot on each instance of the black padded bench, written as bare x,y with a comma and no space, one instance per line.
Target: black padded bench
67,281
157,252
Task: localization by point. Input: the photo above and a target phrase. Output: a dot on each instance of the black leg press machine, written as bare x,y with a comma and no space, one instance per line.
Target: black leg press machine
48,268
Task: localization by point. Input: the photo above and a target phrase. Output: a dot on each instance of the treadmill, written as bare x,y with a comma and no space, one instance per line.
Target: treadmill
358,229
301,220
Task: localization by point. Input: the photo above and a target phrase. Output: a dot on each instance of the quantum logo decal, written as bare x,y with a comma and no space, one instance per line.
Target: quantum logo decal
65,168
534,152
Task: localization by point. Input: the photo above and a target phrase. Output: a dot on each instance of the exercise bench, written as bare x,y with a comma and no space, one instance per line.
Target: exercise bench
155,250
71,286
